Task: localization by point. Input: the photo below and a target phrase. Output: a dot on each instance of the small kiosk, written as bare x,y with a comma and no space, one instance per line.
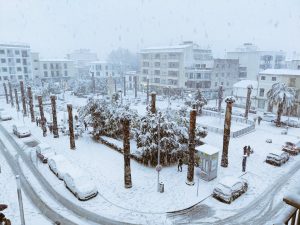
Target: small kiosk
208,161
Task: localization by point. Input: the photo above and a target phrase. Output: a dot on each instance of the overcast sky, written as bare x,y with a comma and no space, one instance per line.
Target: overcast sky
56,27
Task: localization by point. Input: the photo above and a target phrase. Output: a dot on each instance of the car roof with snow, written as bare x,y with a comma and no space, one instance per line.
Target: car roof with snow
44,145
229,181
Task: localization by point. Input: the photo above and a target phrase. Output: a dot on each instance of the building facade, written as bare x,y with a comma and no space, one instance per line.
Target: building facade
240,90
270,76
103,69
56,70
254,60
129,79
293,64
175,66
15,62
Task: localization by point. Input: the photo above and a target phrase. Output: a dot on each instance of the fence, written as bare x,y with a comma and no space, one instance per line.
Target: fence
233,118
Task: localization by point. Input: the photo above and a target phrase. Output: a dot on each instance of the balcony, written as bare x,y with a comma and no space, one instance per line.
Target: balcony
291,215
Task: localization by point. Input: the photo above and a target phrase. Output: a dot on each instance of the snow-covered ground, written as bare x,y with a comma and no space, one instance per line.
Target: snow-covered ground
106,166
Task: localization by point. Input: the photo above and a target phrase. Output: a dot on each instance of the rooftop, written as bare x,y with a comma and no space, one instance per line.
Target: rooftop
207,149
56,60
285,72
245,83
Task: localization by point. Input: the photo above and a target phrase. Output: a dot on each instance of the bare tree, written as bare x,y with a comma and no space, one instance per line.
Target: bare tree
226,137
71,129
126,147
190,174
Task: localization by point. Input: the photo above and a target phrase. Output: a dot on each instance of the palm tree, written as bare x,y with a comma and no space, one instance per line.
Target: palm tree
283,96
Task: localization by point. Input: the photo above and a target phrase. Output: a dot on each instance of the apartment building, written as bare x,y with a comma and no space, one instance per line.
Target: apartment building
293,64
173,66
270,76
254,60
129,79
15,62
56,69
104,69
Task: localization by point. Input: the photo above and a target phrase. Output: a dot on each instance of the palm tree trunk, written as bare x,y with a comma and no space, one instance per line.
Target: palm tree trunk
249,89
31,104
220,97
54,116
23,98
11,95
190,174
17,100
135,86
126,148
71,129
153,99
279,113
270,107
5,90
43,121
226,137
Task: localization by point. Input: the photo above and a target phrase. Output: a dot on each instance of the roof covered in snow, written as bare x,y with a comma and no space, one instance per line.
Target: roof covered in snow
280,72
207,149
245,83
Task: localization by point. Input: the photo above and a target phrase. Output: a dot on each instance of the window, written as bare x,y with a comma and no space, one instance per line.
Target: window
24,62
20,77
173,64
5,78
65,66
66,73
19,69
262,78
145,71
45,66
45,74
3,60
18,60
198,75
157,56
157,64
52,73
292,82
203,66
273,78
191,75
17,52
261,92
173,73
24,53
25,70
51,66
157,72
57,73
2,51
146,64
157,80
56,66
222,83
4,69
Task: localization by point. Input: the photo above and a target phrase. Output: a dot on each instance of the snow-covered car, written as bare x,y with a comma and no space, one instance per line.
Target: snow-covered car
5,116
269,117
80,185
21,131
291,123
43,152
230,188
277,159
59,165
290,148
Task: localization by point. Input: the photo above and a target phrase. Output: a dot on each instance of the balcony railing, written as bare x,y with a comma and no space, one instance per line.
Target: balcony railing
291,215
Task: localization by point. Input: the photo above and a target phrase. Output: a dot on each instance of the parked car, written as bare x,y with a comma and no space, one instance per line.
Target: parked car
21,131
80,185
59,165
43,152
277,159
290,148
229,188
291,123
5,116
269,117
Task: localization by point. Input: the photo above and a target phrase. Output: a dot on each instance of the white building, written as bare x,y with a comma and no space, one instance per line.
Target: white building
293,64
129,80
15,62
255,60
82,59
103,69
270,76
171,66
56,69
240,90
